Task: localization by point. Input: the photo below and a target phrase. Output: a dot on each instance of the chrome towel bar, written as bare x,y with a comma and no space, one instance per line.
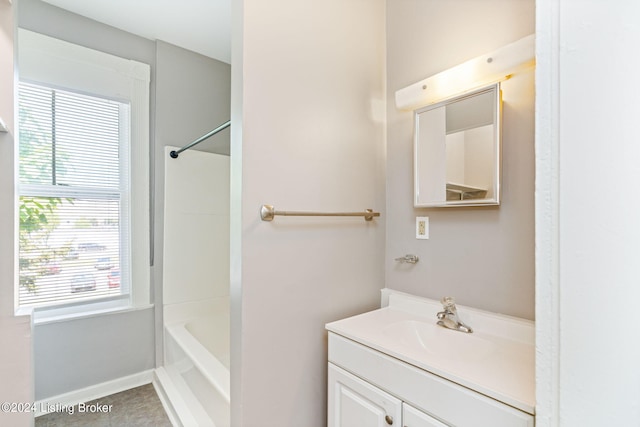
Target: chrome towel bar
268,212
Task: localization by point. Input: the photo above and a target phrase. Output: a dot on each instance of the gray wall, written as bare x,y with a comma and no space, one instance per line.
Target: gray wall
482,256
44,18
80,353
191,106
193,95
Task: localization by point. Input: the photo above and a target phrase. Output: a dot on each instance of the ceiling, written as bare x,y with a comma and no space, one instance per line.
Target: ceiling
203,26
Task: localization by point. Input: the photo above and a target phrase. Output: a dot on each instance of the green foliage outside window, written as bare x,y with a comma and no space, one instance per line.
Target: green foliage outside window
38,216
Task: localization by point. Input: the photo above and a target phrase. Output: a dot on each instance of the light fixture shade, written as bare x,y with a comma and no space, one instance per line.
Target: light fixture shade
473,74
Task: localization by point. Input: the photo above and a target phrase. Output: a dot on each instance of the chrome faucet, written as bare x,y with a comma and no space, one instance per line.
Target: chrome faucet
449,317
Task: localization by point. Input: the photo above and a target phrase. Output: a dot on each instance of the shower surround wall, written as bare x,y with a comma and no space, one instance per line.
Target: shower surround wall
484,256
196,286
196,237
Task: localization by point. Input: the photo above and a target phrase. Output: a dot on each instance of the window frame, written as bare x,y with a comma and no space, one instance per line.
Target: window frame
66,66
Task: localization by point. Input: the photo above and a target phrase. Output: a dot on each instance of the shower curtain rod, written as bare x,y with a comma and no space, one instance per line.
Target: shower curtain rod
174,154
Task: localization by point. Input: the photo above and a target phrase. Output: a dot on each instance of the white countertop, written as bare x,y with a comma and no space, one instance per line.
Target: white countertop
497,359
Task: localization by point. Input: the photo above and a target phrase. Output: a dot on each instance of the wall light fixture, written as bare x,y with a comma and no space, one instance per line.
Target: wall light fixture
470,75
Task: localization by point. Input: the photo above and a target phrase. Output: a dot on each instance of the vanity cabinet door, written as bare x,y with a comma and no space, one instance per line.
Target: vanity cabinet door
412,417
356,403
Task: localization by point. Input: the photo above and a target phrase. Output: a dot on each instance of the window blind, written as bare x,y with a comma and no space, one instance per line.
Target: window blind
73,188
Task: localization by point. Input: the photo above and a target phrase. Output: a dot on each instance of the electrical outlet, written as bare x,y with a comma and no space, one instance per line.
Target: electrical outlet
422,227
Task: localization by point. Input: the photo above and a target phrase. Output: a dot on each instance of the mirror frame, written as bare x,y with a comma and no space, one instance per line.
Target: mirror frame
497,155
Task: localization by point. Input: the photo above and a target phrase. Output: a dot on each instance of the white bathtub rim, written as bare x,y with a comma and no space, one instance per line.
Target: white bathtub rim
210,367
182,407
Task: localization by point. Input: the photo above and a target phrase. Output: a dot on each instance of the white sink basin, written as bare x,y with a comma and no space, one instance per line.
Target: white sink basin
497,359
438,341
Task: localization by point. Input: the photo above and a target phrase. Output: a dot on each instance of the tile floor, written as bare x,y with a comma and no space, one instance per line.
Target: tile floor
139,406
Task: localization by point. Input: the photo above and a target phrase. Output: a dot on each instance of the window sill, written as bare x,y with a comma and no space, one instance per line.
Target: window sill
45,315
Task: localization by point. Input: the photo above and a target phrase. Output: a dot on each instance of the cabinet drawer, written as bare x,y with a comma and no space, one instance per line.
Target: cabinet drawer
411,417
440,398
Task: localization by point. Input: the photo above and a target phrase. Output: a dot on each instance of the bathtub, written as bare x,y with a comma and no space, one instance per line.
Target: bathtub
195,381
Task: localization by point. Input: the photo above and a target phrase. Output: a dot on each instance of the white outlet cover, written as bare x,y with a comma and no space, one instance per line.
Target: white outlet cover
422,234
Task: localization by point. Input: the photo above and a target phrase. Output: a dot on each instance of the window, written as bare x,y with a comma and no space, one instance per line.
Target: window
74,192
84,210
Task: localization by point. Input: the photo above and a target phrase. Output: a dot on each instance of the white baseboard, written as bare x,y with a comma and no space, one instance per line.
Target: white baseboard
97,391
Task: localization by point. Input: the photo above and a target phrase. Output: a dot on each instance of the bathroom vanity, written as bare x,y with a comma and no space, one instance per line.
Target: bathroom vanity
396,366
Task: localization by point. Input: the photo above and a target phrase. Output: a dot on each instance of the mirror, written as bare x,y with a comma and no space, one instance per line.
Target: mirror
457,151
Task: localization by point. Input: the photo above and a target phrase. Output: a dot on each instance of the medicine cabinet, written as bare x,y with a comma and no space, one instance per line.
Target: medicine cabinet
457,150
